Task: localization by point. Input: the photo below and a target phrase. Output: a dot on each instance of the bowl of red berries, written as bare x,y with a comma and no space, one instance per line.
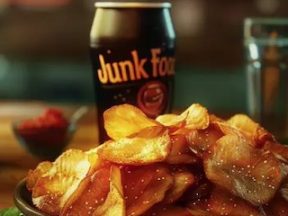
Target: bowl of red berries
45,136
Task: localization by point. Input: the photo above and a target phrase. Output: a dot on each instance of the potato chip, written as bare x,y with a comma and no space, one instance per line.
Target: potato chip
181,182
180,152
114,203
201,141
54,187
137,150
144,187
34,175
280,151
91,193
243,170
217,167
170,120
222,203
124,120
195,117
248,126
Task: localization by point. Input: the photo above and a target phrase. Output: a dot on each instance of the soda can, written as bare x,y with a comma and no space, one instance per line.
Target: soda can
132,48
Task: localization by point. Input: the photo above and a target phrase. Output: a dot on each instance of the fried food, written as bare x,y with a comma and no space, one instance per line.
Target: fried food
138,150
191,164
124,120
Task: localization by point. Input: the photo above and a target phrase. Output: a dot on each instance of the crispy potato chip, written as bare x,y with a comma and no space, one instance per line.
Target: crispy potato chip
54,187
34,175
171,120
213,118
222,203
114,203
280,151
168,210
90,194
201,141
124,120
144,186
243,170
248,126
244,123
180,152
195,117
217,167
138,150
181,182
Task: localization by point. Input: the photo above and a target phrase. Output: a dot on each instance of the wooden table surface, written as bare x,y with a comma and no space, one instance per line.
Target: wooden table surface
15,161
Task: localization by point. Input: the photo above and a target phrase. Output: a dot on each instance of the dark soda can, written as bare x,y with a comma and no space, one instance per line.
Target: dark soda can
132,53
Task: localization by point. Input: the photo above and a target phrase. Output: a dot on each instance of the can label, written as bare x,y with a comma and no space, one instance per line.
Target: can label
141,77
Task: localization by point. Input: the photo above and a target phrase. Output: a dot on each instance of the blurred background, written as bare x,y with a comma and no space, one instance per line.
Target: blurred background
44,50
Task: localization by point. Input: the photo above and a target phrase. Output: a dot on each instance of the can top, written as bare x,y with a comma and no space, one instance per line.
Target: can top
133,5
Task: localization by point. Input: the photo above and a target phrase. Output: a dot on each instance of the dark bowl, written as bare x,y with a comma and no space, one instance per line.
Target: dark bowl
45,145
23,200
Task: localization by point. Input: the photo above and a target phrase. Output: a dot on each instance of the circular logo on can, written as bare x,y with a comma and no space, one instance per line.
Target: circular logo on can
152,98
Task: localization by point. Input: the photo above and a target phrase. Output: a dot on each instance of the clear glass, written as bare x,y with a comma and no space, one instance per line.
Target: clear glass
266,46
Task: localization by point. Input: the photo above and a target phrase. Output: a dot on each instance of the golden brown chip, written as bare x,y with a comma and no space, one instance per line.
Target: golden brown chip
144,187
54,188
251,128
124,120
114,203
138,150
195,117
180,152
171,119
34,175
247,172
201,141
222,203
182,181
91,193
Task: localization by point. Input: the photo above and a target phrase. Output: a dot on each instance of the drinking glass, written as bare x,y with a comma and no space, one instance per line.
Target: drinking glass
266,48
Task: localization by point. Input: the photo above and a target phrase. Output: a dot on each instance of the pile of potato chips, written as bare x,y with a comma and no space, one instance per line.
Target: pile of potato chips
192,164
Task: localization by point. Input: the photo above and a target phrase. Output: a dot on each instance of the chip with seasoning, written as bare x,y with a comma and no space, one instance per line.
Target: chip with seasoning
189,164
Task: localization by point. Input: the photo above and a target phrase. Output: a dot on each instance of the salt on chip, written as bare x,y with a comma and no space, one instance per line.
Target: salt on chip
124,120
221,202
89,195
144,186
137,150
245,171
114,203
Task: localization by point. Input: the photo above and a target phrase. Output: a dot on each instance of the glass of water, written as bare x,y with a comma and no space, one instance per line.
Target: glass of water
266,46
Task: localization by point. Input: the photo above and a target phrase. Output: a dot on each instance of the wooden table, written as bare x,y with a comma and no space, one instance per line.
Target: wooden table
14,160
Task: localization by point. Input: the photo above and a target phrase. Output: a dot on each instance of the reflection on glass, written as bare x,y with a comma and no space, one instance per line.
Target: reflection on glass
266,42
